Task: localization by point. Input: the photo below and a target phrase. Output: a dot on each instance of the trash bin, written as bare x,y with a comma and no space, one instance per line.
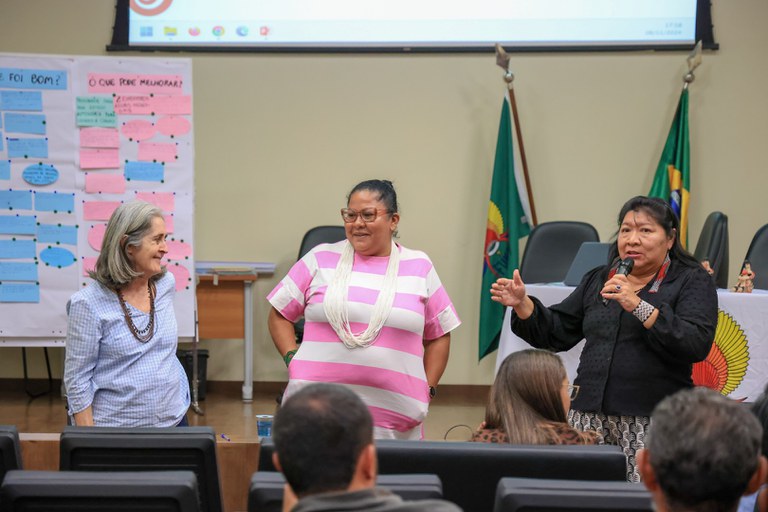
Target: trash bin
186,358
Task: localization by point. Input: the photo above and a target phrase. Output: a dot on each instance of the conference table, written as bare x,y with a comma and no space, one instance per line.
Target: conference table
737,366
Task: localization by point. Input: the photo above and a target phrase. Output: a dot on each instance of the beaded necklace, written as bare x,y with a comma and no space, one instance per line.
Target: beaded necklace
145,334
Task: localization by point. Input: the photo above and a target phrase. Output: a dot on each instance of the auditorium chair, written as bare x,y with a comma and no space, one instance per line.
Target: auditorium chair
757,254
713,246
10,451
550,250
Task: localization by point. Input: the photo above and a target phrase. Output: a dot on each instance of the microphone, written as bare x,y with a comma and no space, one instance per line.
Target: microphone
624,268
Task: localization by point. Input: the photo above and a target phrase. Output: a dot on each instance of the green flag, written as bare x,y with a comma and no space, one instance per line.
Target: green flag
672,181
507,223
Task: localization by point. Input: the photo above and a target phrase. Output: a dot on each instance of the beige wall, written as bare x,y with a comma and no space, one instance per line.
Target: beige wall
281,138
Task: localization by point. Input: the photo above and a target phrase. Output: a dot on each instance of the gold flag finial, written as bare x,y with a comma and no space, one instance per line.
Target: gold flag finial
502,60
694,61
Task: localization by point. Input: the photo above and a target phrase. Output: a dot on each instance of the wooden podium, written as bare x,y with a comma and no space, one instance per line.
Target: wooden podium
225,307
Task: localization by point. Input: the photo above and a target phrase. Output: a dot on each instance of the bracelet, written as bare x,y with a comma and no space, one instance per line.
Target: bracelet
643,311
288,356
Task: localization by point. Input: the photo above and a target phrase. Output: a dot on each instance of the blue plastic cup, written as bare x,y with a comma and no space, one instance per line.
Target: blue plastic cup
264,425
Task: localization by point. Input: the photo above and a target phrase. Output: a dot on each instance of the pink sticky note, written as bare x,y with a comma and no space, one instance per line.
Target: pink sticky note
124,83
99,159
178,250
163,200
99,210
173,125
181,273
138,129
157,152
89,263
95,137
168,223
96,182
96,236
171,104
133,105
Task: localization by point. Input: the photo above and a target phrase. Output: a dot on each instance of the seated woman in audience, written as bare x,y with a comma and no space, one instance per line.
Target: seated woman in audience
529,403
758,502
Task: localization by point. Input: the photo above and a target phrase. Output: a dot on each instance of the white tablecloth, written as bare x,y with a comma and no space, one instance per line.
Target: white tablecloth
741,339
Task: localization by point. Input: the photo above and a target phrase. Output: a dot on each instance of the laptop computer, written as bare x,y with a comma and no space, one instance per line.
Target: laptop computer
590,255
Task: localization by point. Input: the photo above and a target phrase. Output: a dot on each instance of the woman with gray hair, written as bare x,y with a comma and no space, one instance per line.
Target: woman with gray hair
121,368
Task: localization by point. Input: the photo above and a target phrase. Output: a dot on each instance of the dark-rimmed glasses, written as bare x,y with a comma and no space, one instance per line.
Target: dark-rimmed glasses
573,391
367,214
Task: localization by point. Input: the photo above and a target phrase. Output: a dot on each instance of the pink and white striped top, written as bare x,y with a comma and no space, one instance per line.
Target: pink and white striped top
389,374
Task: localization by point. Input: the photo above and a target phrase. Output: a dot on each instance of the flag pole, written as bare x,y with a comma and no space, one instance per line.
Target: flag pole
502,60
694,60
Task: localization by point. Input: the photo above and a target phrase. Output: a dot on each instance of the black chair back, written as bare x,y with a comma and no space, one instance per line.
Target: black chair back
713,246
757,254
550,250
10,450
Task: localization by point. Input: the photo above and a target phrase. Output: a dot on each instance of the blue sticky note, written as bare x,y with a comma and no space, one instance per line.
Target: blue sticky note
18,224
25,123
16,199
27,147
144,171
17,249
5,168
40,174
57,257
57,234
18,271
45,79
54,202
19,292
28,101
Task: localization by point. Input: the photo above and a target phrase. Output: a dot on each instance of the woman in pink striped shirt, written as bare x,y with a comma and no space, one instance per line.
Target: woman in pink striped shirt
377,318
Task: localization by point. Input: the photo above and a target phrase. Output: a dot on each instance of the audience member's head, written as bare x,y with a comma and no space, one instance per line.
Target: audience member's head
323,437
531,391
702,453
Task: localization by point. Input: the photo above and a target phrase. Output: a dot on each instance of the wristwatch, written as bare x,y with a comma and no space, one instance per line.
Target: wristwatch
432,392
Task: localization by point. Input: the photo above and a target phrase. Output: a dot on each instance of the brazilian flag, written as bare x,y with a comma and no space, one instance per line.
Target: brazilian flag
672,181
507,223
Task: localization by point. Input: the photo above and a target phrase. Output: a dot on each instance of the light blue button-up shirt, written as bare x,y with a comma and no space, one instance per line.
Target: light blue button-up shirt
128,383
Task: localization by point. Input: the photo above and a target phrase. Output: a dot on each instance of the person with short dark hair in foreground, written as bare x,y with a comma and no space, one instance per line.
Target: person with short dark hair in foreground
323,437
702,454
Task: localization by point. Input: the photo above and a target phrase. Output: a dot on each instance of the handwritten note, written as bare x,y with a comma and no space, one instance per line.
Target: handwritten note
57,234
19,292
27,148
17,249
157,152
99,159
95,137
178,250
48,79
96,182
40,174
17,271
54,202
133,105
89,264
181,273
95,111
57,257
29,101
163,200
169,226
173,126
16,199
99,210
18,224
134,83
144,171
5,169
171,105
138,129
33,124
96,236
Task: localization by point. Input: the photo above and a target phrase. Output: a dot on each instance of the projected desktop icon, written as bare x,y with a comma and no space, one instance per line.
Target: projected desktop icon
242,31
145,31
264,30
218,31
194,31
170,31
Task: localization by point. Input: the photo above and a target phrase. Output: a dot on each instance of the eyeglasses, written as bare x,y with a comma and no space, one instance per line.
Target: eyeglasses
573,391
367,214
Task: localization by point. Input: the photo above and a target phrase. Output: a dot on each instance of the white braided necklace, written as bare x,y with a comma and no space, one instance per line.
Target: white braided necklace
336,304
